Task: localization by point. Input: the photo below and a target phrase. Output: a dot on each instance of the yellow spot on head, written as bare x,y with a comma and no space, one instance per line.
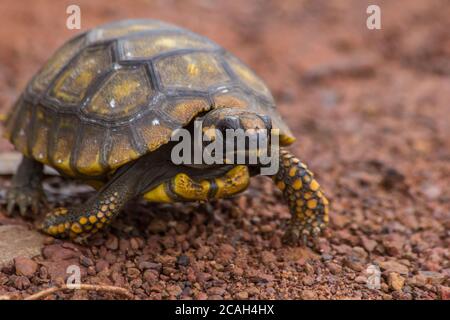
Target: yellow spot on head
100,215
92,219
307,195
297,185
104,208
325,201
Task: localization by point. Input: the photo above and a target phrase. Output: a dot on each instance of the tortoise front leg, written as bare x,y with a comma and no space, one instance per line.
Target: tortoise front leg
128,182
308,205
88,218
26,190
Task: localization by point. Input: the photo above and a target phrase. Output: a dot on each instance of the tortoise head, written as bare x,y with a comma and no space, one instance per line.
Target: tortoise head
244,134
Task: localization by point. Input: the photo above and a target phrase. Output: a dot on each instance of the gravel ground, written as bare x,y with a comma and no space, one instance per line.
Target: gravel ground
370,109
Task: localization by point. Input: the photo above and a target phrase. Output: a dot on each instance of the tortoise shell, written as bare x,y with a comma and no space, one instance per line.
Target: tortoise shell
117,92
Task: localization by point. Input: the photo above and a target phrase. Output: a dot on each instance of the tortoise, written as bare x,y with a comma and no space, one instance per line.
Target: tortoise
103,109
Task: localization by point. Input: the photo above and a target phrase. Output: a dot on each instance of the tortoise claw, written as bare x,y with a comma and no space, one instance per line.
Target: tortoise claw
26,199
294,235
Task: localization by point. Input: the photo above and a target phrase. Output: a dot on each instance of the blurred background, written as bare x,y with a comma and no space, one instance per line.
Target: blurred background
370,108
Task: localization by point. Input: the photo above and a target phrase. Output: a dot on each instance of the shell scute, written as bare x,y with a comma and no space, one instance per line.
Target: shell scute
125,28
44,119
21,131
71,85
183,110
247,76
146,46
195,71
122,93
121,148
88,160
54,65
63,142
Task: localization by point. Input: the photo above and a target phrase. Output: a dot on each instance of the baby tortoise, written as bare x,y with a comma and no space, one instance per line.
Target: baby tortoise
103,109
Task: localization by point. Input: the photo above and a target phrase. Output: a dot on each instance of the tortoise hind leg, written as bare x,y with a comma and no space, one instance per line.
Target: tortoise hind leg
26,190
